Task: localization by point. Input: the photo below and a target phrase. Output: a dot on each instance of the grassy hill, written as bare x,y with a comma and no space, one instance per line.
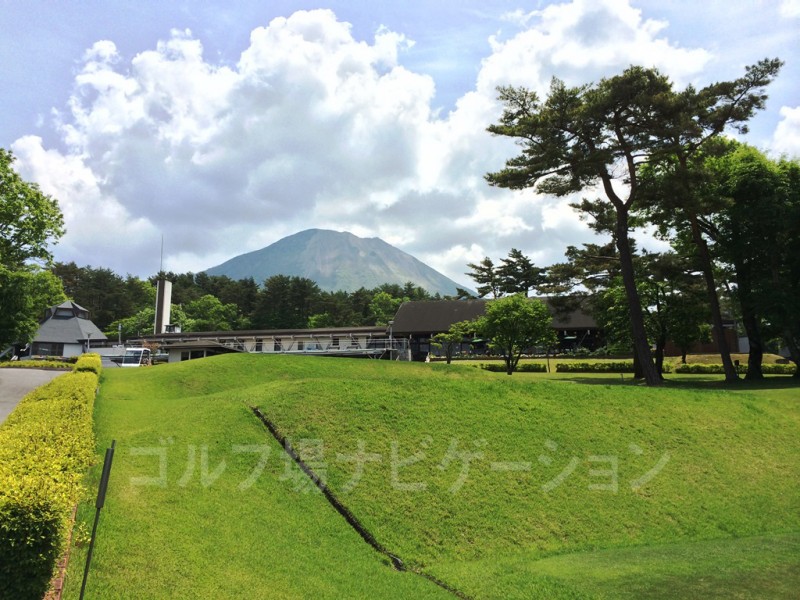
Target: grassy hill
501,487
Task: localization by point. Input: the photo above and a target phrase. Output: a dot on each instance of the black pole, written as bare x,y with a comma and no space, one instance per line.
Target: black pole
101,500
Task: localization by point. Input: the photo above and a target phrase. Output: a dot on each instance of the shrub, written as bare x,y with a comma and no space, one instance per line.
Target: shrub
36,364
89,362
712,369
46,445
625,366
521,368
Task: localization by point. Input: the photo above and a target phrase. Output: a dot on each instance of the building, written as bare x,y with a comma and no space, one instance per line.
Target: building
65,330
369,342
419,321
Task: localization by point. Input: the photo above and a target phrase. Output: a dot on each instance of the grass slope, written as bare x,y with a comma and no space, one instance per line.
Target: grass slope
196,537
501,486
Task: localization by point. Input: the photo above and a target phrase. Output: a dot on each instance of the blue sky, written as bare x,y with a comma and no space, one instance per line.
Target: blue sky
225,126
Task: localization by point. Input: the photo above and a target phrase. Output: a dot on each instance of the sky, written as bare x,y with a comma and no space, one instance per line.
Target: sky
221,127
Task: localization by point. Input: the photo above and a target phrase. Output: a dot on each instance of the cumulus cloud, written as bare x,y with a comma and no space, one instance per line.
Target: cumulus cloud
314,128
786,139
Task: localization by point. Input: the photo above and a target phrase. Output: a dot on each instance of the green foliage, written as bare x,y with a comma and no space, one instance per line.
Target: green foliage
89,362
450,341
107,296
599,367
712,369
29,219
383,307
36,364
515,324
25,293
209,314
46,444
521,368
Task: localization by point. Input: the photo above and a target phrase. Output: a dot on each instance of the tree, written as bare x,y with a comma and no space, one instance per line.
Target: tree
25,294
755,232
518,274
29,219
383,308
486,276
687,124
450,341
583,136
515,324
599,134
29,222
285,303
209,314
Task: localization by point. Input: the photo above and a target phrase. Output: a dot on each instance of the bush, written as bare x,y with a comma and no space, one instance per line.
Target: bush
711,369
625,366
521,368
89,362
46,445
36,364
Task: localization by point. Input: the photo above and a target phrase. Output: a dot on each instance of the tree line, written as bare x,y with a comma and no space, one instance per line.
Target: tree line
126,305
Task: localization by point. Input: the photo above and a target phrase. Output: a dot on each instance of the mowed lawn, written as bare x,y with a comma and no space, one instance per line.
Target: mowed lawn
502,487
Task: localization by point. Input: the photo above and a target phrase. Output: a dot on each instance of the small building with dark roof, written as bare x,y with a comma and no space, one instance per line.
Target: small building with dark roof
65,330
419,321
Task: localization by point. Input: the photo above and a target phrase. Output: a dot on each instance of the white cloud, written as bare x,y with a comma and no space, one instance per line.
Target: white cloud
313,128
790,9
786,139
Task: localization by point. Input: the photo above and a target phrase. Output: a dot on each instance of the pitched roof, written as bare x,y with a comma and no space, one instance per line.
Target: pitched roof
429,316
425,316
67,323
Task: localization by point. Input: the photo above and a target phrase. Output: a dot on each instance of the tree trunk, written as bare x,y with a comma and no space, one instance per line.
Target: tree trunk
640,345
713,299
660,345
756,354
794,352
750,321
683,355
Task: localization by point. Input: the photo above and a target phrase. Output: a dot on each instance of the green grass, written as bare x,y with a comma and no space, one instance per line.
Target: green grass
190,539
721,517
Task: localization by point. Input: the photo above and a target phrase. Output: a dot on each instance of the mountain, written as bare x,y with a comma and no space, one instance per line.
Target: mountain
336,261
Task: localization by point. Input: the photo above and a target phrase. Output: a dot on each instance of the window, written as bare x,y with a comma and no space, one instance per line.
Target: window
278,345
335,342
47,349
259,345
299,344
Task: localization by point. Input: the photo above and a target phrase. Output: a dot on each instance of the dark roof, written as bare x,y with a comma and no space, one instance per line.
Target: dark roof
67,323
424,317
433,316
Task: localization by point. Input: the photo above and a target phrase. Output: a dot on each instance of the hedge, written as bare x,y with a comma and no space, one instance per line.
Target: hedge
46,446
702,369
625,366
37,364
521,368
89,362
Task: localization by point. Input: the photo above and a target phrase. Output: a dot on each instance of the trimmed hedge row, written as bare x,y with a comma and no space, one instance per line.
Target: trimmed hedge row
625,366
46,446
89,362
701,369
36,364
521,368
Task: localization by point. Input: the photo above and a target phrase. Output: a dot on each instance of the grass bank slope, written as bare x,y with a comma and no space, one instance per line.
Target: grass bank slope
501,486
203,504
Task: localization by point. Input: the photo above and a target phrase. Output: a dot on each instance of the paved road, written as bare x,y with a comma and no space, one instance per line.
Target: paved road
15,383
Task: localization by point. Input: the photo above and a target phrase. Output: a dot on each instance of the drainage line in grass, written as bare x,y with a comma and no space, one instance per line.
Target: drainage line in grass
396,561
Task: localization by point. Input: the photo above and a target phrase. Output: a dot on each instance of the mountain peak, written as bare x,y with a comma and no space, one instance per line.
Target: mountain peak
336,260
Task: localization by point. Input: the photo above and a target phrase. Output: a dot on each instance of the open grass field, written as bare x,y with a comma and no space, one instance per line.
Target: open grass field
530,486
